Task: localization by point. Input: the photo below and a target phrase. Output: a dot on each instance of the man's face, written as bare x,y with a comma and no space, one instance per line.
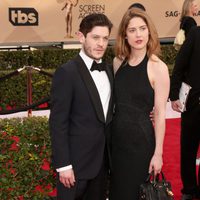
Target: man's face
95,42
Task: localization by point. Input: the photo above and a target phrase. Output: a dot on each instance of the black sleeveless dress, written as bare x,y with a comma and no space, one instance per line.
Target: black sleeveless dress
133,138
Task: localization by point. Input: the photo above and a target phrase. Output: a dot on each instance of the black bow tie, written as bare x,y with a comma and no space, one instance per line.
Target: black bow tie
98,66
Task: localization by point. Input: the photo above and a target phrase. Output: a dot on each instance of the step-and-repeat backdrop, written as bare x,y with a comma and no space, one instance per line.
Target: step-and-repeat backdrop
28,21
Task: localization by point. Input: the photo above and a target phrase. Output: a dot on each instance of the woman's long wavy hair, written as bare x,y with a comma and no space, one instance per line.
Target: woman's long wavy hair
122,48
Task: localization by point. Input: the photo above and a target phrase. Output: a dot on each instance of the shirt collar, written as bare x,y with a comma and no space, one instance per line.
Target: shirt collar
87,60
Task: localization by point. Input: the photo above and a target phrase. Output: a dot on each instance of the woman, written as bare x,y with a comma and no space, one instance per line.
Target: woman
141,83
189,8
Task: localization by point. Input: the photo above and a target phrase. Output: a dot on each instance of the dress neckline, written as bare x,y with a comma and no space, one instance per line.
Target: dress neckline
139,64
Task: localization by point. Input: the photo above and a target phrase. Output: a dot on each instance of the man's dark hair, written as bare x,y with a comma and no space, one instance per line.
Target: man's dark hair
137,5
92,20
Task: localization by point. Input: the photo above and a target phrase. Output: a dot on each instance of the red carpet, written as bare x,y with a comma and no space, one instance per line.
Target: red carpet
171,157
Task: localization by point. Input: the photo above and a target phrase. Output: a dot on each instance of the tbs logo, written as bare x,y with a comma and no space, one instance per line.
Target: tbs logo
23,16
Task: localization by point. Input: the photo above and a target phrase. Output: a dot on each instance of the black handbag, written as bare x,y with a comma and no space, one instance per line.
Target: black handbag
155,188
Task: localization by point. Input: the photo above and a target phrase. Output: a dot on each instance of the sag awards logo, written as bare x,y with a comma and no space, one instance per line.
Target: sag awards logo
67,7
176,13
23,16
86,9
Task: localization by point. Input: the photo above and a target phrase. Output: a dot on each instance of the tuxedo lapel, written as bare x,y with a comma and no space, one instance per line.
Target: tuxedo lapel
89,83
110,107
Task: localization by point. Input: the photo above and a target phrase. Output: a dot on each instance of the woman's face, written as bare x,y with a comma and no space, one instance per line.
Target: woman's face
137,33
194,7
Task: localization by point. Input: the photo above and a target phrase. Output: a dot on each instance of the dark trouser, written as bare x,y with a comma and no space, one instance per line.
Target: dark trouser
94,189
190,137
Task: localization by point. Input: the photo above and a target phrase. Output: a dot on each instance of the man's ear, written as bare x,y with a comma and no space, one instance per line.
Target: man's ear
81,37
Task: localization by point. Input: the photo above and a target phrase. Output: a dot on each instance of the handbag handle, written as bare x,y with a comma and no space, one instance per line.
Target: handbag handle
155,179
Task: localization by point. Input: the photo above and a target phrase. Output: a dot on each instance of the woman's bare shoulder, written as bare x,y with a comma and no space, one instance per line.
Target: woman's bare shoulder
117,63
157,63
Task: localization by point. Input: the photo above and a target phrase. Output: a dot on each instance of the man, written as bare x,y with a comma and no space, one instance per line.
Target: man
137,5
187,69
81,110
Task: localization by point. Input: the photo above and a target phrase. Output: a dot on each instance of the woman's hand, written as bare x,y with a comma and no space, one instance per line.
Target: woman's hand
156,164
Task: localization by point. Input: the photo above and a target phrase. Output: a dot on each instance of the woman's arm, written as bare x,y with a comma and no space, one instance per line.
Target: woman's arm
160,83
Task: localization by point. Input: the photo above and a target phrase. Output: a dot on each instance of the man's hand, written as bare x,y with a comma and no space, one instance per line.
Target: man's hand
176,105
152,116
67,178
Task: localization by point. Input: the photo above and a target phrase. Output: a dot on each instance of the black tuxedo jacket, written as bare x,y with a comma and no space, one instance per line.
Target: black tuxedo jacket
77,123
187,69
